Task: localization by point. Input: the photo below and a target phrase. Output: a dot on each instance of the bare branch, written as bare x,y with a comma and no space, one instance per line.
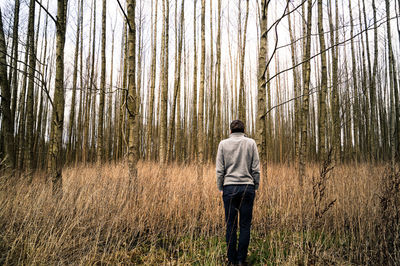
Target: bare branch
48,13
312,91
126,17
327,49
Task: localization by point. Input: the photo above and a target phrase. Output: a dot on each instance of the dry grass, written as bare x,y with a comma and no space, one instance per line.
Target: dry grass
178,219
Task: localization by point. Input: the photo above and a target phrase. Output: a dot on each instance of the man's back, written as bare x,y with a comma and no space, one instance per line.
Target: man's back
237,161
238,176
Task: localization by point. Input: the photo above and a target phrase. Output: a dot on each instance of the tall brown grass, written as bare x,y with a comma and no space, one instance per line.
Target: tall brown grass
177,218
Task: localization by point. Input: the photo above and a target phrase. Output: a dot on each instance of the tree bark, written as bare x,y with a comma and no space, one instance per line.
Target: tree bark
305,105
393,88
261,93
152,85
218,78
14,82
109,138
100,143
132,96
78,156
31,76
7,121
164,91
57,125
336,136
323,88
372,90
242,94
194,136
74,84
177,84
200,132
355,114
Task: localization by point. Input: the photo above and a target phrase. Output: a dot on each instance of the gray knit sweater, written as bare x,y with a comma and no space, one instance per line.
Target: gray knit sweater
237,161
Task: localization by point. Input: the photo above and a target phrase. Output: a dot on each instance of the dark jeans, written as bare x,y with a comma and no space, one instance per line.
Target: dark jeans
238,199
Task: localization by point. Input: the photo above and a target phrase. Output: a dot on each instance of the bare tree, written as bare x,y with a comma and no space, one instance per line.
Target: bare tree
306,85
261,93
194,136
55,156
200,132
14,82
164,91
7,121
132,95
242,100
177,82
74,85
100,126
324,86
152,84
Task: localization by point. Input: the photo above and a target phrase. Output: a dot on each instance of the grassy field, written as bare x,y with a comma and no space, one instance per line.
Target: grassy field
348,216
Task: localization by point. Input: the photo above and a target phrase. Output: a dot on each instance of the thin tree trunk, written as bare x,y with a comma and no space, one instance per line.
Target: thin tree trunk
181,120
55,154
393,88
14,82
100,143
218,77
31,84
7,121
364,102
297,89
177,84
93,114
80,113
324,87
212,110
139,106
39,141
194,104
355,114
36,92
22,113
88,110
152,85
306,84
372,90
335,88
132,96
261,93
164,91
123,107
74,84
200,132
242,95
109,138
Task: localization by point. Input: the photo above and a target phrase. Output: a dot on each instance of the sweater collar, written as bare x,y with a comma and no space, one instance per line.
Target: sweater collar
236,135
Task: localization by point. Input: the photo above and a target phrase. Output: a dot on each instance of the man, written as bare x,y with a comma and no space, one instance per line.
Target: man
238,177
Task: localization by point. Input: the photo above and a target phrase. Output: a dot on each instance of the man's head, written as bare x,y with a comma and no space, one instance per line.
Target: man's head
237,126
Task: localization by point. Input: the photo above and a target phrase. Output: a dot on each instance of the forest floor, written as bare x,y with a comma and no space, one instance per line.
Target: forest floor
346,216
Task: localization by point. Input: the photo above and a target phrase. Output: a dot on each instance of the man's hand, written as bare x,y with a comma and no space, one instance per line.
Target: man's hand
221,192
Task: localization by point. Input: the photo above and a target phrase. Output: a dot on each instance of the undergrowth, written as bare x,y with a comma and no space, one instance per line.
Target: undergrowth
176,221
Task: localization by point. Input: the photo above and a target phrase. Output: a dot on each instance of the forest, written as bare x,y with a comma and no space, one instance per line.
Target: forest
112,112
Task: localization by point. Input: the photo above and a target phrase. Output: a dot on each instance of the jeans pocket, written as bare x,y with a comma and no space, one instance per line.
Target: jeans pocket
250,192
228,190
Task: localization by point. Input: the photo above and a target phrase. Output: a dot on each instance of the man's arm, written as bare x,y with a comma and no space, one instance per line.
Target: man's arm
220,167
255,166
